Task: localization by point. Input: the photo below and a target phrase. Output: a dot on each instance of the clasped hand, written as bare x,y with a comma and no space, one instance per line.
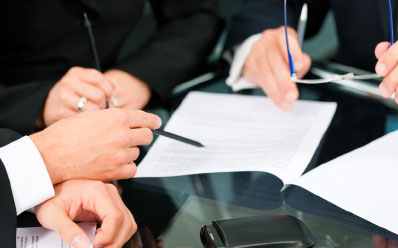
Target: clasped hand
98,89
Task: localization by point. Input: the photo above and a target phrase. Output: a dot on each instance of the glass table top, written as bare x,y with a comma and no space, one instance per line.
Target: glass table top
175,208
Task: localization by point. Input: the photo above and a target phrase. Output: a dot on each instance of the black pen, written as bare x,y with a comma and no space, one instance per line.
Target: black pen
177,137
93,47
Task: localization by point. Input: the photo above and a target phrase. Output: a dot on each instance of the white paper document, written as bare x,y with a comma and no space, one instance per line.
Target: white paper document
39,237
363,182
241,133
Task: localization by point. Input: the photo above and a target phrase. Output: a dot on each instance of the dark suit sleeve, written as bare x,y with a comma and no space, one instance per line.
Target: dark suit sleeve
187,32
8,213
20,105
255,16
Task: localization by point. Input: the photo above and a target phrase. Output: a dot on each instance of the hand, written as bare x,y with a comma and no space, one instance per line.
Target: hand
87,201
130,92
98,145
387,66
65,95
382,242
267,66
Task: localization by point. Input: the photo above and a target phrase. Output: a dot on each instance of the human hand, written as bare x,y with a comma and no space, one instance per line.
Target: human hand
130,92
387,67
98,145
382,242
78,82
87,201
267,66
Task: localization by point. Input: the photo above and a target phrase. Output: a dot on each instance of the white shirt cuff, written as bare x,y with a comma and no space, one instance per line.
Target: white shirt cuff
236,79
29,179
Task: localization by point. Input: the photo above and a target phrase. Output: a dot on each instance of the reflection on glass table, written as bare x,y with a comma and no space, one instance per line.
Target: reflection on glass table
190,212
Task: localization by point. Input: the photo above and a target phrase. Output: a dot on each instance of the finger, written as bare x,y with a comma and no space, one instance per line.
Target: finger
124,168
281,72
134,153
295,49
123,157
67,229
103,238
307,66
388,61
70,99
140,118
129,225
109,213
381,48
98,79
65,112
126,171
389,84
271,88
114,102
91,92
140,137
89,106
257,69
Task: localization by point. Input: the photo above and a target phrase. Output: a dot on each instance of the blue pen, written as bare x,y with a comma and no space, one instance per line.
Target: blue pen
289,55
391,23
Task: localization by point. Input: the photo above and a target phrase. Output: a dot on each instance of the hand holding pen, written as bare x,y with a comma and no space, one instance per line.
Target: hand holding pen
267,65
93,47
80,89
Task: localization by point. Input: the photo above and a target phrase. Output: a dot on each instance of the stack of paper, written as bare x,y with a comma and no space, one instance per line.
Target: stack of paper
241,133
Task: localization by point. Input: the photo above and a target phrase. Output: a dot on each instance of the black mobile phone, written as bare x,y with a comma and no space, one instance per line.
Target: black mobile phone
282,231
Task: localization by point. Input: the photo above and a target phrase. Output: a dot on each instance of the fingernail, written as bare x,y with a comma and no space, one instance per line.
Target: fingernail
81,241
159,122
383,91
290,96
114,101
396,98
380,69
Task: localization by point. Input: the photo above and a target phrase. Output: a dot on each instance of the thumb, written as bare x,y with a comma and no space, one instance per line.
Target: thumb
69,231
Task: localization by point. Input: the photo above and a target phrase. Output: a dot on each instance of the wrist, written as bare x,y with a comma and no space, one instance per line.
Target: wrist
46,150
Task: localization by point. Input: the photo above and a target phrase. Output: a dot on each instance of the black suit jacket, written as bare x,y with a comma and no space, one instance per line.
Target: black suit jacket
42,39
361,24
8,214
